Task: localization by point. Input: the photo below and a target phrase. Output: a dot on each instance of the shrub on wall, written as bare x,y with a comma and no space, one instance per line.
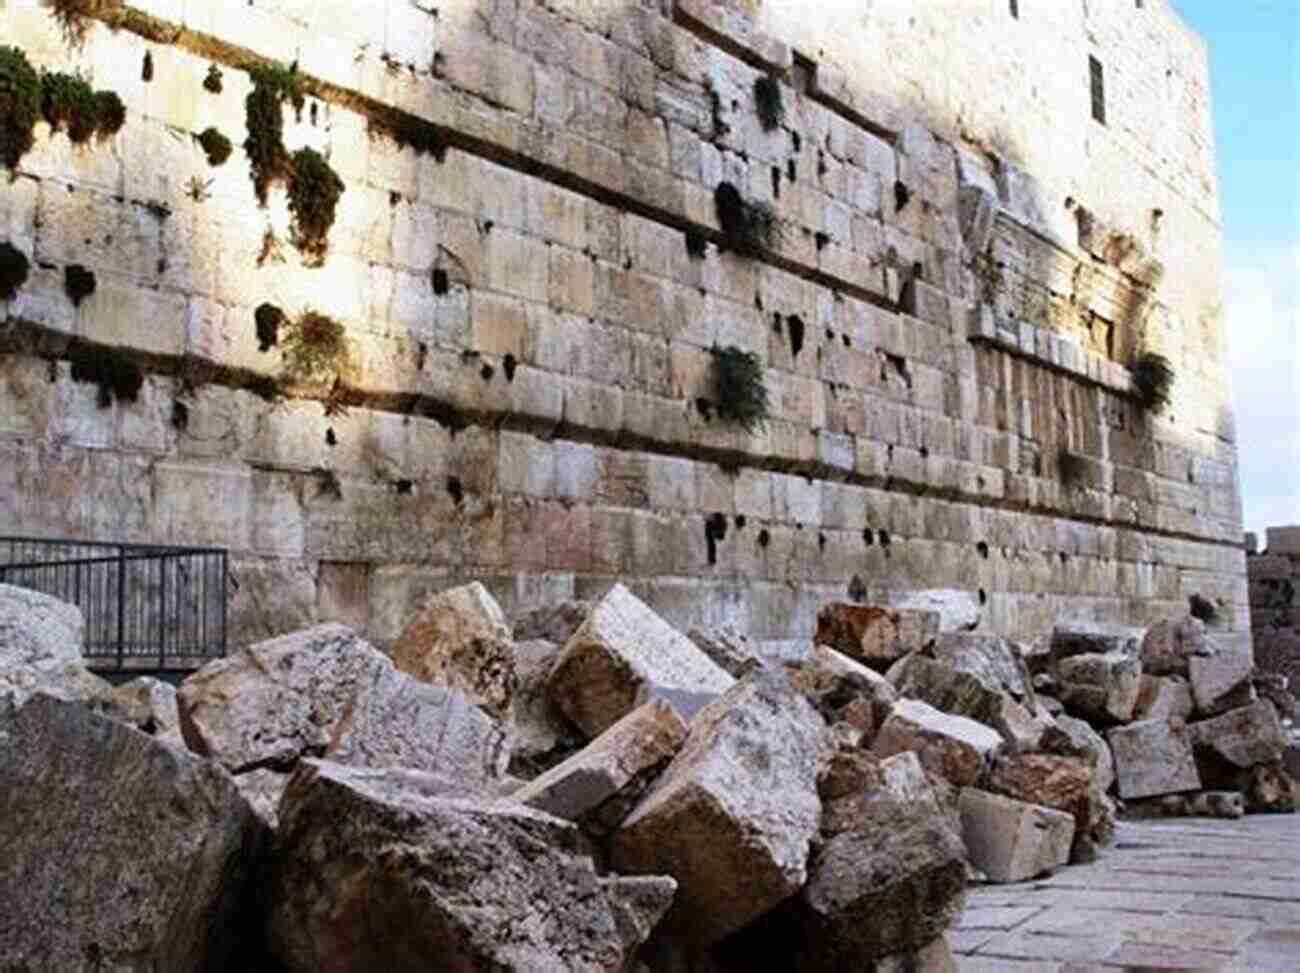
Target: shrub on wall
264,116
739,391
20,105
750,226
215,146
116,375
1071,468
14,268
767,102
314,192
314,345
1153,381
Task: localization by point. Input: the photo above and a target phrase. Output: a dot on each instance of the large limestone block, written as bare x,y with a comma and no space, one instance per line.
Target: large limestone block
1221,681
381,870
599,784
858,789
637,902
874,635
120,852
1163,698
324,691
1102,688
460,638
1095,638
1170,643
1243,737
995,662
733,817
1080,739
1010,840
551,623
624,655
1153,757
952,747
879,890
150,706
731,650
40,649
844,690
959,611
1063,783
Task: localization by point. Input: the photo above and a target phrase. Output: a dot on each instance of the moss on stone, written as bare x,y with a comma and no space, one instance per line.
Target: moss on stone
215,146
20,105
69,103
273,85
314,345
1153,381
314,192
14,268
750,226
269,319
739,390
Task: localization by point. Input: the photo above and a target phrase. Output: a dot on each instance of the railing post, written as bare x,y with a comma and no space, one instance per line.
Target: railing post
121,606
162,614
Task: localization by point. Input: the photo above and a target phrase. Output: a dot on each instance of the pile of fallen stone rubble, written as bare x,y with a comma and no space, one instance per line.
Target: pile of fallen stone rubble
588,788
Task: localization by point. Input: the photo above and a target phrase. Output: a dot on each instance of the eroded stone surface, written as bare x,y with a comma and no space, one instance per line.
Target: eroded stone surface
952,747
1153,757
1221,681
1102,688
844,690
40,649
1170,643
1243,737
875,635
1163,698
1010,840
624,655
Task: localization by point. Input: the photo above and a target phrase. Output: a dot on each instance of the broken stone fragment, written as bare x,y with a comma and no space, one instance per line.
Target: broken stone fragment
624,655
844,690
326,691
874,635
934,957
1170,643
1153,757
1268,788
858,789
1012,841
40,649
1094,638
728,648
734,815
540,736
1221,681
1202,804
598,785
121,852
382,870
1078,739
149,705
460,638
1163,698
551,623
1064,783
952,747
1101,688
638,903
1243,737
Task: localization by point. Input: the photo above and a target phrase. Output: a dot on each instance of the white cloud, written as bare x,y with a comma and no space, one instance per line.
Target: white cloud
1262,311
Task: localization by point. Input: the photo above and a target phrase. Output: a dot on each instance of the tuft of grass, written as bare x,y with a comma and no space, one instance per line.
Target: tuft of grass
314,346
314,192
20,105
1071,468
215,146
74,16
273,85
1201,607
409,132
78,283
767,102
110,114
1153,381
14,268
739,390
116,375
213,81
750,226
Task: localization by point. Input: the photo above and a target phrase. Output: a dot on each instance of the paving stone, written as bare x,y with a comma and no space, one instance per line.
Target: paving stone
1153,757
1033,946
989,917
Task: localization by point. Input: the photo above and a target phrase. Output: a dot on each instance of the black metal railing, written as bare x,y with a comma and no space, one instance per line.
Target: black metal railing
147,607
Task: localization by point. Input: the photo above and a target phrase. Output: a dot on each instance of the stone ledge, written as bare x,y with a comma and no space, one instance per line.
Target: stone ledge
1047,348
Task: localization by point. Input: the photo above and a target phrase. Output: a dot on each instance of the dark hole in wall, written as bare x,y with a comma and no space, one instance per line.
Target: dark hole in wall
984,597
404,487
146,68
508,365
697,245
764,538
791,170
983,548
794,324
857,589
740,521
901,196
777,326
868,537
487,371
776,182
268,319
796,142
821,542
455,490
441,283
78,283
882,536
180,416
705,408
330,438
821,240
715,531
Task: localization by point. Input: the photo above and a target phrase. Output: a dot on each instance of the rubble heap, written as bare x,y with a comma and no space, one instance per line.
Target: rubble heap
605,794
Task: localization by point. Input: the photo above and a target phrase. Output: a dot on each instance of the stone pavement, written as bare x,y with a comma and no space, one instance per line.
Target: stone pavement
1186,895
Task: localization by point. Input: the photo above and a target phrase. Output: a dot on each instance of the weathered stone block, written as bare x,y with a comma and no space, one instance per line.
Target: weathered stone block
1102,688
733,817
952,747
873,635
1153,757
599,785
460,638
1010,840
1163,698
40,649
844,690
1243,737
1170,643
624,655
1078,638
1222,681
1079,739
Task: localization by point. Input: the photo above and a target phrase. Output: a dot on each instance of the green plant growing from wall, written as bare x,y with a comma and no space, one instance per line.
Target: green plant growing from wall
750,226
14,268
739,390
314,192
264,116
767,102
78,283
68,102
20,105
74,16
1153,381
215,146
269,320
314,346
213,81
1071,468
116,375
989,276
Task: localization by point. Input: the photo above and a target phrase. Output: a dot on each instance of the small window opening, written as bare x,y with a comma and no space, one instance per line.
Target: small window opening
1098,82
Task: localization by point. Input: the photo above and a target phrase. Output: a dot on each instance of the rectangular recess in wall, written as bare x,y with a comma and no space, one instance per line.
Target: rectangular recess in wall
1015,9
1098,83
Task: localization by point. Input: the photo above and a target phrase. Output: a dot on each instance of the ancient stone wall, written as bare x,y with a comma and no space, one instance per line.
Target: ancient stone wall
1274,576
531,272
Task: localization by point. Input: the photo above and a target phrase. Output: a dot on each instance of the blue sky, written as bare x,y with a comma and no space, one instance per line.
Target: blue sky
1255,77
